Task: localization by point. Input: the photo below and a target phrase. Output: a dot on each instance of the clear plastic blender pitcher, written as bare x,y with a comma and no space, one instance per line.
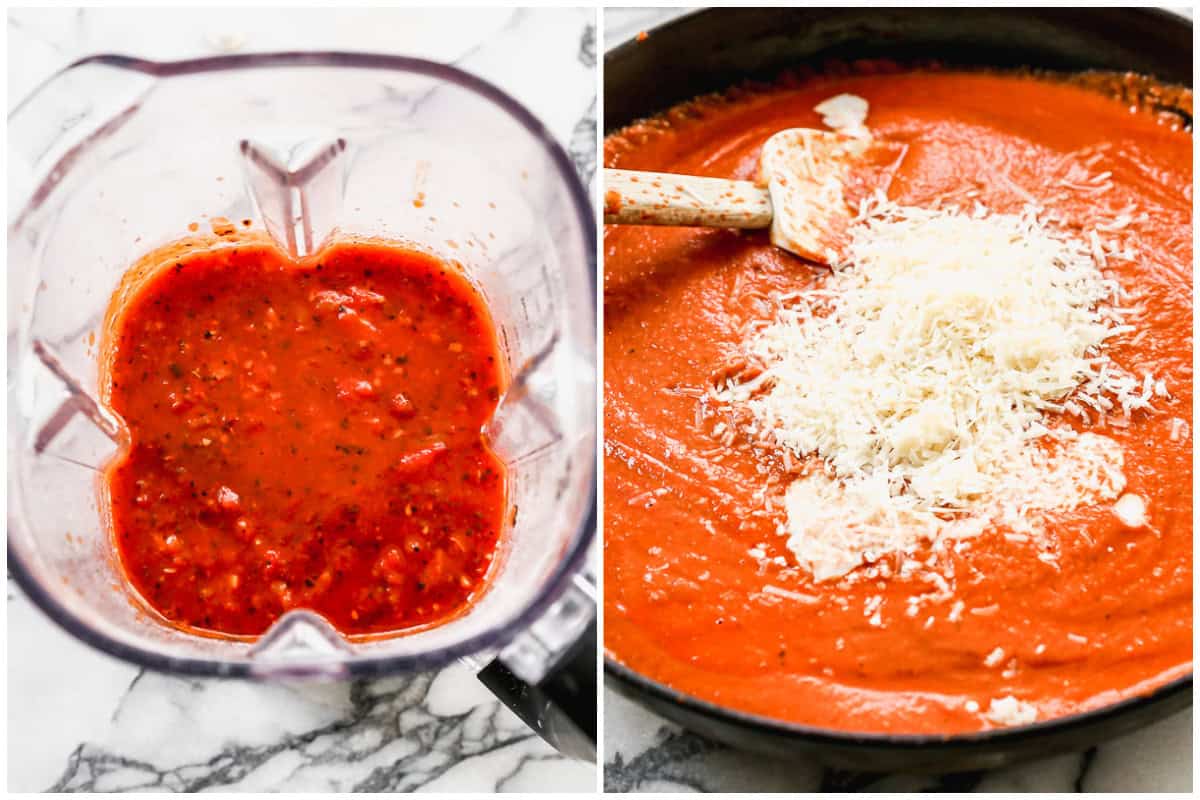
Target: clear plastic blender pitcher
115,156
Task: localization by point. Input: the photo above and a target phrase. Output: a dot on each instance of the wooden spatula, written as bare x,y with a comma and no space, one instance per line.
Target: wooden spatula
808,180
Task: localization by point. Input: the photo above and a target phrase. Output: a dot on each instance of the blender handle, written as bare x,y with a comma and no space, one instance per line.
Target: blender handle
561,707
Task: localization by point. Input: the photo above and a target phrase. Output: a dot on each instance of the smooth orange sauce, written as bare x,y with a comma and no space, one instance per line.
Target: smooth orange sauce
1112,619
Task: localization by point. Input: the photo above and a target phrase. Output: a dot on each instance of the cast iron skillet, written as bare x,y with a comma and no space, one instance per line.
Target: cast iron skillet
715,49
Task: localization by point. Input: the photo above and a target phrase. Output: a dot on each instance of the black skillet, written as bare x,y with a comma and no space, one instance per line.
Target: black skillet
718,48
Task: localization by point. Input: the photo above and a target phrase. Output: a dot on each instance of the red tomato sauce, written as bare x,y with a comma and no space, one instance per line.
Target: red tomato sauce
684,601
303,435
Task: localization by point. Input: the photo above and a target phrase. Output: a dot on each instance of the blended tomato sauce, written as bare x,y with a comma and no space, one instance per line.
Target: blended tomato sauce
303,435
684,605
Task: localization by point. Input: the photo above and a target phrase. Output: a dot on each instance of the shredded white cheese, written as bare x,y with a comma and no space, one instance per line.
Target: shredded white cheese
994,658
790,595
1009,711
1131,510
845,113
922,373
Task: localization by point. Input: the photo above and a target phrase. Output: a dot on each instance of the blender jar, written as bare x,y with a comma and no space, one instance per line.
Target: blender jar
115,156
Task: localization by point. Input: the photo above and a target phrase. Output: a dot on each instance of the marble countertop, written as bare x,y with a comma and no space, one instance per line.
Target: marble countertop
79,720
644,753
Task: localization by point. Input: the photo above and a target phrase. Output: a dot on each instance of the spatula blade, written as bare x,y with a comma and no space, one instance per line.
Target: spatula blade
816,179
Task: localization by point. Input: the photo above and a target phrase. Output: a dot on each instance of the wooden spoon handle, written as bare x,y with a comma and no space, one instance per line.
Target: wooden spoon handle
658,198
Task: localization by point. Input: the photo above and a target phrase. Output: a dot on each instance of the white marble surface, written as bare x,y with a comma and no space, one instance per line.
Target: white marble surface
647,754
79,720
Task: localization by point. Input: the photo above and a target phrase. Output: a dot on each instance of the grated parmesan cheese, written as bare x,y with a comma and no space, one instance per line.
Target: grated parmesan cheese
994,658
922,373
1131,510
845,113
1010,711
790,595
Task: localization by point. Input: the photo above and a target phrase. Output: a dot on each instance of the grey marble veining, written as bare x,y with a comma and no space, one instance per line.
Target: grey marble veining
644,753
382,735
582,147
79,720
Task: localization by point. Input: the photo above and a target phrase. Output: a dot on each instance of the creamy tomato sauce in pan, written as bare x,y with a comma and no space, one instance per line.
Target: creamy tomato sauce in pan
688,547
